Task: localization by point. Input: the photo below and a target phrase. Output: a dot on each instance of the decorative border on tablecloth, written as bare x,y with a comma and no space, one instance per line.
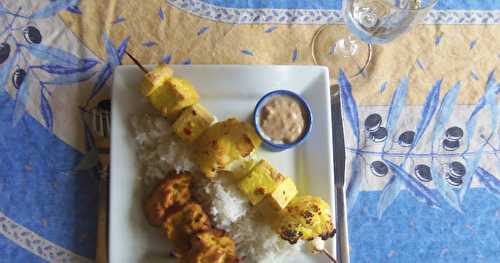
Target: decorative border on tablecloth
316,16
36,244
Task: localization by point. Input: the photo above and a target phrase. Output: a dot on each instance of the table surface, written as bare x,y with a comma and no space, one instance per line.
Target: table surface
56,63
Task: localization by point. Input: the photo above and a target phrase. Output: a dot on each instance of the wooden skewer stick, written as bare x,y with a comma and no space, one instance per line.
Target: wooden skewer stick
324,251
136,62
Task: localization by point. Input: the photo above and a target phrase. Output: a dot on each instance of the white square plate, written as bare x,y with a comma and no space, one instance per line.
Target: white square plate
227,91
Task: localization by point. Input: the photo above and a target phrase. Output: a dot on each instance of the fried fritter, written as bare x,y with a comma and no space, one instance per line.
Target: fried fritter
223,143
212,246
305,217
171,192
184,222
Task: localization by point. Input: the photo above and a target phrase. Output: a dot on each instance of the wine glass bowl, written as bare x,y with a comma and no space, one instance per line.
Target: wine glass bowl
372,22
381,21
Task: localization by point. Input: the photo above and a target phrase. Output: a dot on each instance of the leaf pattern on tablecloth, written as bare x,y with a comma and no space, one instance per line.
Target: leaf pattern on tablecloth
449,173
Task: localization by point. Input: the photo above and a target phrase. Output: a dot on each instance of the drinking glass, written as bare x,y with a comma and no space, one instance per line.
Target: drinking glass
368,22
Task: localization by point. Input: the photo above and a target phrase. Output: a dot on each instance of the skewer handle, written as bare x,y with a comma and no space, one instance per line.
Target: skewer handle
328,255
136,62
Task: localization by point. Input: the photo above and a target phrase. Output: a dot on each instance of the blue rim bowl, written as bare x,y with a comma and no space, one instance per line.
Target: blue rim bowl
267,143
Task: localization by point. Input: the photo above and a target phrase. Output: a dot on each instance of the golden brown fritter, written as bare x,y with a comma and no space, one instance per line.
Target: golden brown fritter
306,217
212,246
184,222
169,193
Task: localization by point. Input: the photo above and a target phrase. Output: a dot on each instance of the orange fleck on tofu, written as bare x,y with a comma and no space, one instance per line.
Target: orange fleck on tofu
262,180
192,122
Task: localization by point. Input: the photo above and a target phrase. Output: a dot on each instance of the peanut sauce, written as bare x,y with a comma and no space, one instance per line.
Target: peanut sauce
282,119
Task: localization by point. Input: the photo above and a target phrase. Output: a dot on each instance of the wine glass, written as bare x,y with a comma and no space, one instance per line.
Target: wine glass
372,22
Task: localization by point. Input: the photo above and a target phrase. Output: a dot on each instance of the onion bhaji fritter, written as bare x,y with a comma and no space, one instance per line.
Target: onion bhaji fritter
212,246
170,193
181,224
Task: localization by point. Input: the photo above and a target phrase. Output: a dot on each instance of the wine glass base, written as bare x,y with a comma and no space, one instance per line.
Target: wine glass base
335,47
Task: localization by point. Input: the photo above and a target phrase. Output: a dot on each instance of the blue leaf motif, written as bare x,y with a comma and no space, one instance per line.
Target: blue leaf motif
103,76
420,64
471,121
89,62
247,52
349,106
428,110
472,162
489,98
354,186
6,69
416,188
166,59
22,98
63,70
389,194
472,44
438,39
118,20
53,8
186,61
52,54
383,87
3,10
46,111
270,29
491,101
202,30
111,53
445,110
395,109
74,9
69,79
149,43
489,181
449,195
295,54
121,48
161,14
474,75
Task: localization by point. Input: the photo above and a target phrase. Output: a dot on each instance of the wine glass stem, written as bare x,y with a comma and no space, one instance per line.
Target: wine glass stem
348,47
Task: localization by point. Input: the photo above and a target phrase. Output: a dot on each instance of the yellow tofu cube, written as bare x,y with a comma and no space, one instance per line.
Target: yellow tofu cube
262,180
223,143
241,168
155,79
183,95
175,95
283,194
192,122
271,206
159,99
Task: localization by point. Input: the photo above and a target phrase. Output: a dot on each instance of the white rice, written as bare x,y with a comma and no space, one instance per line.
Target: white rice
228,205
160,151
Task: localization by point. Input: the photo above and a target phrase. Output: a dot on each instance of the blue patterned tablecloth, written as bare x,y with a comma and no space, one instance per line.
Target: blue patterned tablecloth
427,191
